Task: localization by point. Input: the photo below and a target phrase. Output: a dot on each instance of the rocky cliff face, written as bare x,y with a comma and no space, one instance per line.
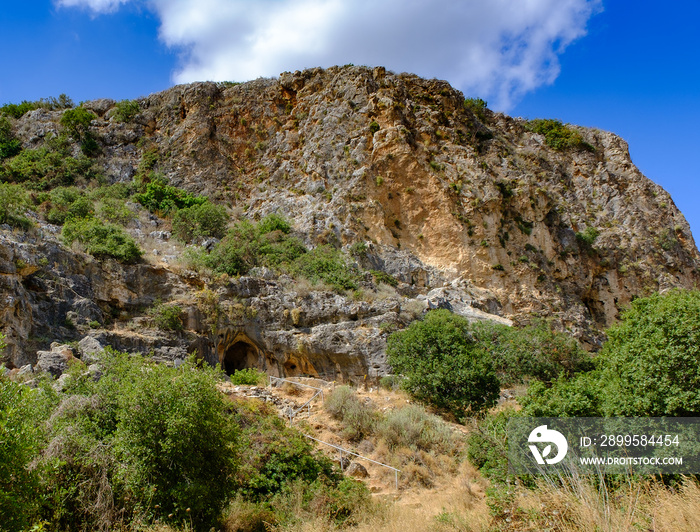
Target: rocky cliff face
467,208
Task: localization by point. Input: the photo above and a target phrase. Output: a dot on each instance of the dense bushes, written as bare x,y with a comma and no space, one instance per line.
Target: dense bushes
16,110
49,166
101,239
63,203
14,201
443,364
9,145
149,444
326,264
20,439
557,135
200,221
648,366
162,198
530,352
126,110
248,244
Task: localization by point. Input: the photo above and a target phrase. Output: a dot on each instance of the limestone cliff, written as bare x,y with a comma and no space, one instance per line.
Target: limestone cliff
467,208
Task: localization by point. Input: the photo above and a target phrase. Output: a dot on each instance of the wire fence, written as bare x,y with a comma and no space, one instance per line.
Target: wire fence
341,450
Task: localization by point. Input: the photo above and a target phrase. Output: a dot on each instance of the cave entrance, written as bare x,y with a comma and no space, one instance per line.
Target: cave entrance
240,355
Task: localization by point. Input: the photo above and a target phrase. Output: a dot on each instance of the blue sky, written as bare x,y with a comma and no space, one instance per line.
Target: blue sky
625,66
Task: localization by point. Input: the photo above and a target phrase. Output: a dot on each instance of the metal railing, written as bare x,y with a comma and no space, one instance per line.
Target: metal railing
342,450
279,379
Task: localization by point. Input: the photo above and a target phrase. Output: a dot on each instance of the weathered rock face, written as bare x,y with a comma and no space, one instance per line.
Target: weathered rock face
469,210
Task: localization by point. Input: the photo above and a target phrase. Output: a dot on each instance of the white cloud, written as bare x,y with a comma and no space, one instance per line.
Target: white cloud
97,6
497,49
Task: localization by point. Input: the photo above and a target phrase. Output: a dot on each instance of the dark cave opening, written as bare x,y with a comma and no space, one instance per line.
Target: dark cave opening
240,355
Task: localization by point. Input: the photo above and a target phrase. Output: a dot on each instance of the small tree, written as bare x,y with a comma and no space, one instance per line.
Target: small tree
651,362
443,364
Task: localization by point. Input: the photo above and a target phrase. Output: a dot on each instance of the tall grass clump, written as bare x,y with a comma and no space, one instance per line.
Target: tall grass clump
358,419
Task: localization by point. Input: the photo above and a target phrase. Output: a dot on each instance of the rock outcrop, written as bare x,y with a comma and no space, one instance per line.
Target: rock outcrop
470,210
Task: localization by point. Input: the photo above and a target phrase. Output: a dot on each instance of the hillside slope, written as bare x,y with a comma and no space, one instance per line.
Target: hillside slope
468,209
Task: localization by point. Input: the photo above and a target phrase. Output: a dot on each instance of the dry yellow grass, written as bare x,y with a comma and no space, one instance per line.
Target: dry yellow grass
446,493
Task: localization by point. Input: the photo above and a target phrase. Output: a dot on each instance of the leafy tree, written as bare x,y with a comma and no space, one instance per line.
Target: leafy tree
578,397
531,352
175,441
650,365
200,221
443,364
77,123
20,439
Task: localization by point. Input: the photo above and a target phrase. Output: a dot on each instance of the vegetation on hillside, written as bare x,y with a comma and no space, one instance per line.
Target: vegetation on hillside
148,444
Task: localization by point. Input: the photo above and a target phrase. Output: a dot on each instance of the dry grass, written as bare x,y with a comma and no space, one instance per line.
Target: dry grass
441,491
577,503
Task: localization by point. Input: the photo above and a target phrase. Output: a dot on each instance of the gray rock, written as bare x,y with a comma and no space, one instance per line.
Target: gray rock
55,361
95,371
25,370
160,235
90,350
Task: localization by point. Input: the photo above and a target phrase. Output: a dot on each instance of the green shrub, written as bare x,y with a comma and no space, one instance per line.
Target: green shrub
374,127
534,351
359,420
17,110
20,441
49,166
577,397
390,382
326,264
412,427
166,317
588,236
247,245
200,221
126,110
249,376
650,365
77,123
163,199
557,135
383,277
63,203
476,106
174,441
101,239
274,222
9,145
114,210
276,456
487,445
443,364
14,202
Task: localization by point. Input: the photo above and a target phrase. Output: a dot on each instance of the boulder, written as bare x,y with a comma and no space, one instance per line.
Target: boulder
55,361
357,470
